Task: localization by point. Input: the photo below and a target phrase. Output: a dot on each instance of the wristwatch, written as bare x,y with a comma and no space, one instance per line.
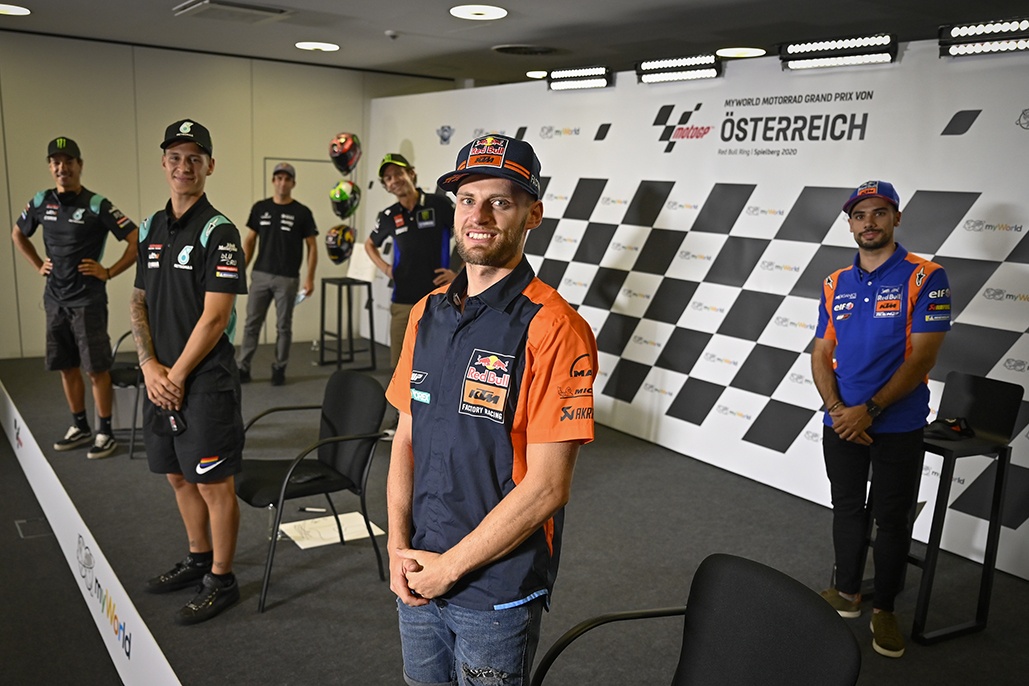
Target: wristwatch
873,409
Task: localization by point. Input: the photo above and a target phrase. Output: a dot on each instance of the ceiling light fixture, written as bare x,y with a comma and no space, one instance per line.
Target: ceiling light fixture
984,38
740,52
580,78
536,74
14,10
317,45
679,69
478,12
840,52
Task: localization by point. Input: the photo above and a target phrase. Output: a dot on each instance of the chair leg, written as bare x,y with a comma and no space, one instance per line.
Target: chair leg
273,539
135,417
335,516
375,544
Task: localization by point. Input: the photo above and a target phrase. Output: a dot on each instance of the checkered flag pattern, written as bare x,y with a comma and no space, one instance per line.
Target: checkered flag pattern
709,324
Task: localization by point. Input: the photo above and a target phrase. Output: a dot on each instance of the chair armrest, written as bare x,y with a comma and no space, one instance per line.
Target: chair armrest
114,353
284,408
310,449
592,623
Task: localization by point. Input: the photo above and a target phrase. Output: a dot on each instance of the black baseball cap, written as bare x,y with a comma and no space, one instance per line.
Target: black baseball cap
393,158
62,145
500,156
285,168
188,131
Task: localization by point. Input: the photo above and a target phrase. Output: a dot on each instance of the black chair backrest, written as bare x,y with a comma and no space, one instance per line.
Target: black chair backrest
354,404
989,406
747,623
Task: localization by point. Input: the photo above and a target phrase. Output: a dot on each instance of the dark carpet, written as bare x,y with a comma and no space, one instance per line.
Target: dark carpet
640,521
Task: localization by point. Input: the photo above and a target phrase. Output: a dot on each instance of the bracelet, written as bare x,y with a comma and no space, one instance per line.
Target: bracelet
835,405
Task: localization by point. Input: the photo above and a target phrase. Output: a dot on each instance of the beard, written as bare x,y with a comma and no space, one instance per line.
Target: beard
880,240
503,250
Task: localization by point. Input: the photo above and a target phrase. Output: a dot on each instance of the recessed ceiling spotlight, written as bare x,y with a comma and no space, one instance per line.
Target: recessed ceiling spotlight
740,52
14,10
536,74
316,45
478,12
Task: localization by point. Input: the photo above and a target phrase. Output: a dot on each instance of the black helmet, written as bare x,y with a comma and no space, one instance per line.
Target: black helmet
345,198
345,151
339,242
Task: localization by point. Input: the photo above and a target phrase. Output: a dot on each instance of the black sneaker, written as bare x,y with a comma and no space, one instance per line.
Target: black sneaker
244,376
212,597
103,446
74,438
183,575
278,375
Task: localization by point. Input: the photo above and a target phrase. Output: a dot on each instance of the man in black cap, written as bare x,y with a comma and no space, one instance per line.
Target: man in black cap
495,393
881,322
188,274
75,224
285,228
420,225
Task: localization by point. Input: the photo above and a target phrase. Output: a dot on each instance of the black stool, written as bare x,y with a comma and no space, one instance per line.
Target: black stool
349,284
991,408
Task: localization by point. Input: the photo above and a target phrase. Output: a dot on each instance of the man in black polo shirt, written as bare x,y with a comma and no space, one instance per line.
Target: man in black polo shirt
188,273
75,224
285,227
421,227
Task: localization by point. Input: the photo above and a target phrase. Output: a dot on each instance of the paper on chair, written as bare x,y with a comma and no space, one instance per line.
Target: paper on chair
311,533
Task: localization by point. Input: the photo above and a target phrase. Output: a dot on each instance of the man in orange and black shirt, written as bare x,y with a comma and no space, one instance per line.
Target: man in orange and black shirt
494,388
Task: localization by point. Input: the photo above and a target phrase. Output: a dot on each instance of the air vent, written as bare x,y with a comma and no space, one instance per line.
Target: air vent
528,50
230,11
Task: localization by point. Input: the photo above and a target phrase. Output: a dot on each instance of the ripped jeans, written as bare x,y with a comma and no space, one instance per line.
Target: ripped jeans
446,645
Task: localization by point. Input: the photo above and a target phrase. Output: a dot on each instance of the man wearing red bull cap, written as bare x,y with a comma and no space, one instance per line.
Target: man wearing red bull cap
494,389
881,322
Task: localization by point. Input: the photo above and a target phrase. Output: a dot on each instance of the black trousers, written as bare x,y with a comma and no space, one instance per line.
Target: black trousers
896,465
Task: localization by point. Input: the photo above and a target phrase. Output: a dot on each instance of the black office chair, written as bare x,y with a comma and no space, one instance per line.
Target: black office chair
127,374
747,624
990,407
351,414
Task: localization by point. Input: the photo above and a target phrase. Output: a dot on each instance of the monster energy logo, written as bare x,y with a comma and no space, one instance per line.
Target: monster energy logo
62,143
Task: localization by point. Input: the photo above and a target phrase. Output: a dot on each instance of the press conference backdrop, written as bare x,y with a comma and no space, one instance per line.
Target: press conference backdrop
692,224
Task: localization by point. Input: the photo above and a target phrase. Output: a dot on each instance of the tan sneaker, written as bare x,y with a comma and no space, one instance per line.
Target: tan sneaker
846,607
886,637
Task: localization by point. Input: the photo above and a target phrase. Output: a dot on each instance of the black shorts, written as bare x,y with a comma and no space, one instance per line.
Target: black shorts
77,337
211,447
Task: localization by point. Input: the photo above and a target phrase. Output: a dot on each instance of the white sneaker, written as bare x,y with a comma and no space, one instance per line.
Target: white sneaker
73,438
103,446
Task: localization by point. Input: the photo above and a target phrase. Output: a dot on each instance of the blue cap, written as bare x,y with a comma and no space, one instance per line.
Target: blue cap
496,155
873,189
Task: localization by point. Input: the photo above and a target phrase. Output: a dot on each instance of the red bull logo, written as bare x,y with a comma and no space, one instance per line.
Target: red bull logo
490,145
492,362
489,368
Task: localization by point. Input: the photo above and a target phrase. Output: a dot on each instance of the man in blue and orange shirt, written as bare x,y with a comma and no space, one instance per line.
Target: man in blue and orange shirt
881,323
495,392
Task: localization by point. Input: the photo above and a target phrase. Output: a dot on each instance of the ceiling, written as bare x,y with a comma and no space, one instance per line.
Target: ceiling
419,37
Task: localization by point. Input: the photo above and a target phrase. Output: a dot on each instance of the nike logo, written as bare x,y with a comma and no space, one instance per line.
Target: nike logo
205,468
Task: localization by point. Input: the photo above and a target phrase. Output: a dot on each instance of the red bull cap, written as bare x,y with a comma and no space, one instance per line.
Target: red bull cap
496,155
873,189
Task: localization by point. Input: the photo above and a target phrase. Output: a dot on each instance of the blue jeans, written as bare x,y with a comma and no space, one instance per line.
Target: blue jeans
448,645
